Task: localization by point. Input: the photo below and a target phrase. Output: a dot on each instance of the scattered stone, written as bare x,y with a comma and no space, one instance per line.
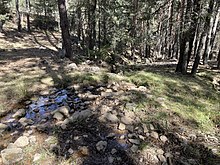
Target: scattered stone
19,113
192,137
72,66
113,151
11,155
111,135
70,151
130,128
163,138
127,120
80,115
32,139
154,135
121,126
64,110
141,137
84,150
160,151
24,121
112,118
3,127
151,127
37,157
134,141
76,138
161,158
132,135
134,148
11,145
130,106
145,129
101,145
22,141
111,159
122,137
58,116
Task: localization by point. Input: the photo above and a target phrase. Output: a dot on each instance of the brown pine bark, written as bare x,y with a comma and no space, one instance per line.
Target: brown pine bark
64,25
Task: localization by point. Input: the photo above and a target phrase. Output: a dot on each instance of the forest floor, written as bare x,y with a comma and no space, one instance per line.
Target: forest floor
54,111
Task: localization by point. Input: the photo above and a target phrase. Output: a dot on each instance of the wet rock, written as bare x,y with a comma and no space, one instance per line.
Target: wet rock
19,113
134,148
161,158
121,126
163,138
58,116
22,141
134,141
112,118
11,155
3,127
154,135
37,157
101,146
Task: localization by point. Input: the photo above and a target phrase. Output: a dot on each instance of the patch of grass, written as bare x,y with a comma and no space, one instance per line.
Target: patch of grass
193,98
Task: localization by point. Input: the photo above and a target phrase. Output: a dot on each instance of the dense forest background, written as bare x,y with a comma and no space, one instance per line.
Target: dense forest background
127,32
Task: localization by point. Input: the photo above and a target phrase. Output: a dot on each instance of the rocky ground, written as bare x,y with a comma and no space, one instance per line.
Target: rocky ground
93,125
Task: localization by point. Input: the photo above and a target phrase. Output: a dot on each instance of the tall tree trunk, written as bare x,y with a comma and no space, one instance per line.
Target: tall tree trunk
18,19
92,23
182,63
28,15
208,28
214,29
198,54
218,64
64,25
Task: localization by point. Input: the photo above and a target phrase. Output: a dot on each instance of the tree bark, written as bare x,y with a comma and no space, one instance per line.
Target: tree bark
28,15
18,19
208,28
64,25
218,64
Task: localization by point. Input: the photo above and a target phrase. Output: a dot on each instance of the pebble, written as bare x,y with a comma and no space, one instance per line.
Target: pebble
84,150
22,141
112,118
101,145
134,148
70,151
160,151
58,116
161,158
113,151
121,126
163,138
111,159
37,157
11,155
134,141
154,135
